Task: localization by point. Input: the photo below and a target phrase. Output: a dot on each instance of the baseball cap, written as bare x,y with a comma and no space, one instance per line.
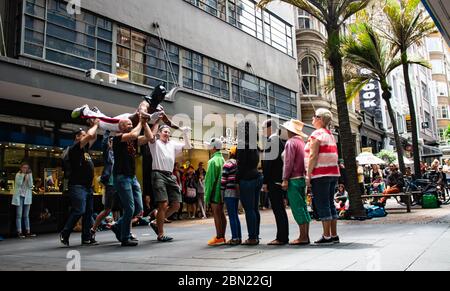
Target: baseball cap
215,143
78,131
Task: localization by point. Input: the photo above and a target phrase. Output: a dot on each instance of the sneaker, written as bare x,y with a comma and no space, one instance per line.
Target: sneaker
115,229
20,235
165,238
78,112
324,241
129,243
64,240
335,239
91,242
133,237
216,241
154,226
234,242
30,235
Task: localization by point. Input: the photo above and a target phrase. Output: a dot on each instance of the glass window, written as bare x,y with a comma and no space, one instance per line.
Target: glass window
304,19
79,40
309,76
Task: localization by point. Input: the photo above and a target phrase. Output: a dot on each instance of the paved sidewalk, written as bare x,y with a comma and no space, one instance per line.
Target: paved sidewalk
400,241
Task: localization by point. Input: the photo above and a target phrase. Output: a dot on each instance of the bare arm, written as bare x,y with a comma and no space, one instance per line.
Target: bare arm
143,139
313,155
169,122
153,132
90,136
132,135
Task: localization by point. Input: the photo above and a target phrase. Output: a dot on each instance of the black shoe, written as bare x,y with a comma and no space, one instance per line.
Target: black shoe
164,238
335,239
91,242
154,226
133,237
129,243
324,241
115,229
29,235
64,240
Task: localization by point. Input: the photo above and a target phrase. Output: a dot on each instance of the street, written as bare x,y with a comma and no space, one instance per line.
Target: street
400,241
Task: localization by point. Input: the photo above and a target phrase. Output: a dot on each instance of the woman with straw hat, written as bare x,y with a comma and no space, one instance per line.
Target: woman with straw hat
294,178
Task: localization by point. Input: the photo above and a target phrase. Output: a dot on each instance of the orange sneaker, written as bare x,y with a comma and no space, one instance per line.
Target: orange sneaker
216,241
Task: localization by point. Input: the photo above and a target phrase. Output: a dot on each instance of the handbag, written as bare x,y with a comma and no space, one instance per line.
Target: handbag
191,192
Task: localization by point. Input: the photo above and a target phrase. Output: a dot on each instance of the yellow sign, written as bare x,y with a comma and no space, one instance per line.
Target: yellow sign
366,150
408,117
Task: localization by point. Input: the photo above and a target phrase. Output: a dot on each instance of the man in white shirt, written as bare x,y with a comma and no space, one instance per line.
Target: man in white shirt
166,190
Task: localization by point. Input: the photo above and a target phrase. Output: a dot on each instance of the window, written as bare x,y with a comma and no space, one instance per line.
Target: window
244,15
437,67
206,75
400,127
427,118
141,59
441,89
309,76
425,95
81,40
304,19
442,134
443,112
282,101
434,44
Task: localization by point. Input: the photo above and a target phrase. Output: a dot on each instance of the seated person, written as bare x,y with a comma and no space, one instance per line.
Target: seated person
435,174
395,182
376,179
341,200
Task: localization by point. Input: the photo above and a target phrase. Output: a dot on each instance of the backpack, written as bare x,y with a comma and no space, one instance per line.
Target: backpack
375,211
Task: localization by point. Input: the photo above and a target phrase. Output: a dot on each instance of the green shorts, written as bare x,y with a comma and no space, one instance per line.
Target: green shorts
165,187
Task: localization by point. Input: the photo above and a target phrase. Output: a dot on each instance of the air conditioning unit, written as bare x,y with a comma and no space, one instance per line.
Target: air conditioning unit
101,76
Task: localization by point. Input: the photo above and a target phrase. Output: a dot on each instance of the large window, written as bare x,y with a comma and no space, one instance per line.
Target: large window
249,90
304,19
141,59
309,76
204,74
443,112
244,14
80,40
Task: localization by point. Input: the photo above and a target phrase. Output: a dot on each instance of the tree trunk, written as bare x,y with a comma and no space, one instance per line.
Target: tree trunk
398,144
345,133
412,112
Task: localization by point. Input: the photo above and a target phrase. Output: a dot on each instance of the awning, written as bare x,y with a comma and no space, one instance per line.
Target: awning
429,151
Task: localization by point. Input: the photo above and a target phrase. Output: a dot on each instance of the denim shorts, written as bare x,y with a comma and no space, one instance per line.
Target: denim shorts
323,190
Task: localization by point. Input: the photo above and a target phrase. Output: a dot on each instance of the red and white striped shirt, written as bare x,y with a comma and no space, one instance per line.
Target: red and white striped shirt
327,161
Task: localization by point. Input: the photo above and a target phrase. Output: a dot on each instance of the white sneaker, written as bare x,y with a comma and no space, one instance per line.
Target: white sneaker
78,112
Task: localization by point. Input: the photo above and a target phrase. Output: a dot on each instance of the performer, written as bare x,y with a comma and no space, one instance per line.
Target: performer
150,108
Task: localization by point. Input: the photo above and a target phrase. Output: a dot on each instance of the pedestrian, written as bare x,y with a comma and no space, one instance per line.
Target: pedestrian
81,176
249,179
201,195
191,192
213,194
230,195
323,173
107,180
273,177
294,178
125,147
167,191
23,199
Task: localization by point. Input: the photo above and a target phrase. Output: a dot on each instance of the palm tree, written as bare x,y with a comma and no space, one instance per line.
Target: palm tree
408,25
367,51
333,14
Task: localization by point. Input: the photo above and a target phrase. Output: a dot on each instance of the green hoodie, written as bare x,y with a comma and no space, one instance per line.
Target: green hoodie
213,178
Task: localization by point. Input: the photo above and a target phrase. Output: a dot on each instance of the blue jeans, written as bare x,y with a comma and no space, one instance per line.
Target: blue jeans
249,191
82,199
130,194
323,190
22,211
233,214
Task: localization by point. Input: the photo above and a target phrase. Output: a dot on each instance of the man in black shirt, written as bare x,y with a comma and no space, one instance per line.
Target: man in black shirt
80,185
128,189
273,172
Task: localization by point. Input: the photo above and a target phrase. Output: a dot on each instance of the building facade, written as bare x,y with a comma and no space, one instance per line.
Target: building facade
218,57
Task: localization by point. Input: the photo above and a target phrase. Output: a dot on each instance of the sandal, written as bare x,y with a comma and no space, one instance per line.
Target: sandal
276,242
164,238
298,242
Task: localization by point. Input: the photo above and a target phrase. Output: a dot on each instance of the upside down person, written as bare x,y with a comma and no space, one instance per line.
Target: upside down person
150,108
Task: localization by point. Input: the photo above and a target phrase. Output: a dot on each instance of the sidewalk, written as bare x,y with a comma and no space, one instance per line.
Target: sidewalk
400,241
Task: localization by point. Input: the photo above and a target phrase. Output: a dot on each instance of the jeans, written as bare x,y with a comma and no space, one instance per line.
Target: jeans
82,200
130,194
233,214
22,211
323,190
276,196
250,190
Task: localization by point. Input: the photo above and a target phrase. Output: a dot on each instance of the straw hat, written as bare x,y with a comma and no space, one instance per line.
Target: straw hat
294,126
